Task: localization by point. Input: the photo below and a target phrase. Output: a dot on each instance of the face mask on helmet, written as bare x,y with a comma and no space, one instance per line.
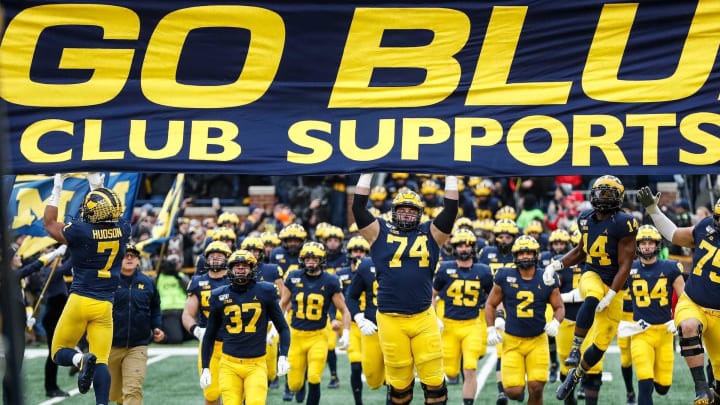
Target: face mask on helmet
716,215
651,234
607,194
524,244
315,252
463,237
216,254
243,267
406,211
101,205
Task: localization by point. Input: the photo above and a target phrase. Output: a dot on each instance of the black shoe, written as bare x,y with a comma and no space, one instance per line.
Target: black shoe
631,398
334,383
274,384
502,399
573,359
453,381
553,373
300,395
288,396
570,400
581,393
567,386
87,370
57,392
703,398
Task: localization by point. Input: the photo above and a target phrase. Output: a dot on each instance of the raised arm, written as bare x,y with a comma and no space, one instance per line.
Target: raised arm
367,225
443,224
50,222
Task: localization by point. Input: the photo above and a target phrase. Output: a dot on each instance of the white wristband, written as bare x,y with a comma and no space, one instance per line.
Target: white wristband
451,183
365,180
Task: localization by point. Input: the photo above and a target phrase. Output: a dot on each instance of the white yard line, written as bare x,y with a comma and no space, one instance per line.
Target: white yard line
487,368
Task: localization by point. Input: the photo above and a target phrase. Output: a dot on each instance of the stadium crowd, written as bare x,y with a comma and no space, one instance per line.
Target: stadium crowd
516,247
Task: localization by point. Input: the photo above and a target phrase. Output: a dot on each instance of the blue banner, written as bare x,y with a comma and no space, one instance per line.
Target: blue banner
489,88
29,197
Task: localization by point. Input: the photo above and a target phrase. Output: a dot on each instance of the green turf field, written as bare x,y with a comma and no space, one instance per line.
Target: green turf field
172,378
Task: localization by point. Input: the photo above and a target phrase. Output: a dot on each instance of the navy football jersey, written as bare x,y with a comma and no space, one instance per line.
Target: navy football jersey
362,294
495,260
464,289
287,263
97,251
311,298
525,301
201,286
704,280
405,263
243,314
269,272
336,262
651,289
345,275
600,241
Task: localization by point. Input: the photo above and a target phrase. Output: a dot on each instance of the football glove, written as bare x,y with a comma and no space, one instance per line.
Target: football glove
205,378
493,337
283,366
605,301
551,328
549,273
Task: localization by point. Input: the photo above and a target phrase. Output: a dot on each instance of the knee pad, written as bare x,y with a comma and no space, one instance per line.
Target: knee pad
400,397
662,389
691,341
593,355
438,395
592,382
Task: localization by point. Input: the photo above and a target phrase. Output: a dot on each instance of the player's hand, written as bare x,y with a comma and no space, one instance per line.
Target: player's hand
96,180
648,200
271,335
549,273
366,326
605,301
551,328
335,325
441,324
500,324
493,337
283,366
30,322
344,341
199,333
205,378
670,325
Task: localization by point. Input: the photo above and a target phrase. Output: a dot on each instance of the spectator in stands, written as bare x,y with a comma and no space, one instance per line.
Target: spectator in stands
529,212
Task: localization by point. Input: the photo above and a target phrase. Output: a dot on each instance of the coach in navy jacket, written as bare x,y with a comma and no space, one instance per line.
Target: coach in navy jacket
136,321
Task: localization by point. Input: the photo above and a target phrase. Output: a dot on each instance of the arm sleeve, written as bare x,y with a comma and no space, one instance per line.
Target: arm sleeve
277,318
363,217
354,292
445,220
29,269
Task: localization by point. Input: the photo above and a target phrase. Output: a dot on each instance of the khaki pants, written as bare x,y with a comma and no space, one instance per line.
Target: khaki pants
127,372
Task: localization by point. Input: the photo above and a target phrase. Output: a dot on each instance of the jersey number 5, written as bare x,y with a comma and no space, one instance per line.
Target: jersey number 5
712,252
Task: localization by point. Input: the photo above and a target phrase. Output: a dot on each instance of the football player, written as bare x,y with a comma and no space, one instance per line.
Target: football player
292,238
405,252
97,244
607,250
696,310
335,259
464,286
357,248
197,308
271,273
242,310
524,296
652,282
309,292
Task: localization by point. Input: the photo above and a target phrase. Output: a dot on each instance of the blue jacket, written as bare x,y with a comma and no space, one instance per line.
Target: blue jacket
136,311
